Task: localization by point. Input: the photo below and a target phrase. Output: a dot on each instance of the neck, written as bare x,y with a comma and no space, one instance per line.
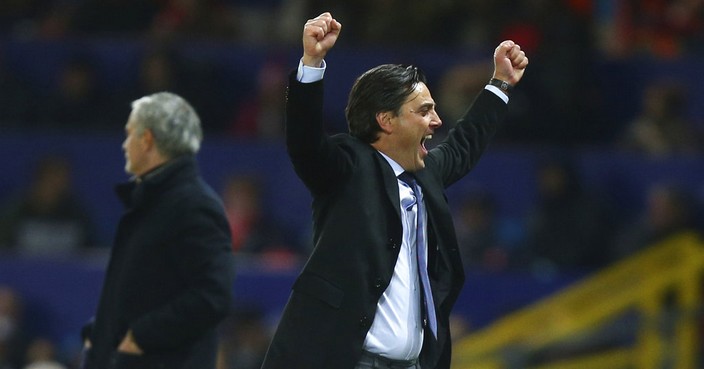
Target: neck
388,150
154,163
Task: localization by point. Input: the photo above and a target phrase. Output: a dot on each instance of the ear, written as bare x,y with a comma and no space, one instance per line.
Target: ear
384,120
148,139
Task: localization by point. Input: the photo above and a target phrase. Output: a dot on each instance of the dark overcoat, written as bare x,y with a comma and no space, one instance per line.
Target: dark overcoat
170,274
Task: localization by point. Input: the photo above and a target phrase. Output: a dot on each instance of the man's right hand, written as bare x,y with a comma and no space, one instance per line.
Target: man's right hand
319,36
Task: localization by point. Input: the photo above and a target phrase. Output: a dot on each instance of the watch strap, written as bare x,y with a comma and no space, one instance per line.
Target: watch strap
501,85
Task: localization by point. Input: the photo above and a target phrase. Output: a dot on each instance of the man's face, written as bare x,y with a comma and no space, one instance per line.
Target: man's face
417,121
135,148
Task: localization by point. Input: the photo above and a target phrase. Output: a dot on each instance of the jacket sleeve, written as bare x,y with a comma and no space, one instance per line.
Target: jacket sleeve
201,253
316,157
466,142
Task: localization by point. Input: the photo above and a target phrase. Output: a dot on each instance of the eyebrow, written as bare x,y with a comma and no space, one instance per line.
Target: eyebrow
425,106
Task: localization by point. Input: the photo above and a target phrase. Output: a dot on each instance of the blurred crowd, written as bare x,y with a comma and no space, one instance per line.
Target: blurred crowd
564,38
621,27
570,226
18,348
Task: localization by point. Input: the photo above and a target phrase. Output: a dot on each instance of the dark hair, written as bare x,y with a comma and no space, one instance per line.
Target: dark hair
383,88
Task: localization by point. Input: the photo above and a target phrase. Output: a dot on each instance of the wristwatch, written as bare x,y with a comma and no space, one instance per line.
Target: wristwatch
502,85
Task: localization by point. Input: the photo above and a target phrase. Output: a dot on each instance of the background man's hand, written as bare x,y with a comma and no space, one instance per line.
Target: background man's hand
319,36
509,62
128,345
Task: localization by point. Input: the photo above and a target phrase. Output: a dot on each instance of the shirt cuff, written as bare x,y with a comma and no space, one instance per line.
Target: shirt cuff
308,74
497,92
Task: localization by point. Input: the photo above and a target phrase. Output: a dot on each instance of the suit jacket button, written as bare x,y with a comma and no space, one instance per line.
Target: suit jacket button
377,283
392,243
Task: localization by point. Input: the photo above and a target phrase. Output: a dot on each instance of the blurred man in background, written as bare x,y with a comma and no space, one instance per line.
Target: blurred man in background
169,280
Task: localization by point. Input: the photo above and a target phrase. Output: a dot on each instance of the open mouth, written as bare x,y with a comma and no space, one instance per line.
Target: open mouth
422,143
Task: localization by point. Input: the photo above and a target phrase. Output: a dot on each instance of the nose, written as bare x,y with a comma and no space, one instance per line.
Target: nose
435,122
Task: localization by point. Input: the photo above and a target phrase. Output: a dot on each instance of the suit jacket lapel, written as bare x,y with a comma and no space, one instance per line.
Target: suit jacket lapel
390,183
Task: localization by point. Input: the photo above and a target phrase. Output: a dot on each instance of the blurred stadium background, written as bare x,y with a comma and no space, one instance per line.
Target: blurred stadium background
581,226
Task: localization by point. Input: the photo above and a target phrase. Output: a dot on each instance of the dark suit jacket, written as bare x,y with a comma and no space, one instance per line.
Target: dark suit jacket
357,234
170,274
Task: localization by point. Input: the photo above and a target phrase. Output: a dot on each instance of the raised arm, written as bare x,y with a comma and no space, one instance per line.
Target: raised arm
317,161
465,144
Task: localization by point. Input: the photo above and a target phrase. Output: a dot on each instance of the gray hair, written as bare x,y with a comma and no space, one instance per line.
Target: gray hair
172,120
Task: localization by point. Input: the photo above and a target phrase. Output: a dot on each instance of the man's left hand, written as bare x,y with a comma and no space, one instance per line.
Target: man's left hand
509,62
